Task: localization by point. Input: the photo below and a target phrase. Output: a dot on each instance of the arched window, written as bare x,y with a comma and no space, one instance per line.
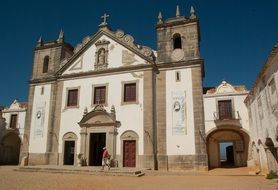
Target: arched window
177,41
45,64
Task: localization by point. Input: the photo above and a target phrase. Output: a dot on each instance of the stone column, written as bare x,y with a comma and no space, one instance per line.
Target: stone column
83,143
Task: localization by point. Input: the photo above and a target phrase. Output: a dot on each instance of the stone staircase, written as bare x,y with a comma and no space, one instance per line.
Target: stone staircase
82,170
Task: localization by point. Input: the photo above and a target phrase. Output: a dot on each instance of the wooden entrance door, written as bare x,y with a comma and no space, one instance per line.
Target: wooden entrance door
69,153
97,142
129,153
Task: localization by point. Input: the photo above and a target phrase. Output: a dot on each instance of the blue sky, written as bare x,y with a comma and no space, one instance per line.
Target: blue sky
236,35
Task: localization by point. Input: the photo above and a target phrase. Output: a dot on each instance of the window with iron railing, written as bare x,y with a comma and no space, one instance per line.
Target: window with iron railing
225,110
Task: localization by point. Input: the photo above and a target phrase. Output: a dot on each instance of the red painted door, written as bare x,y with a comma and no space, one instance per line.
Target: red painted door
129,153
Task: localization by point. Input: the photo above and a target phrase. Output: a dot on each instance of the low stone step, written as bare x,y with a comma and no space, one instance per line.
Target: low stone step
82,170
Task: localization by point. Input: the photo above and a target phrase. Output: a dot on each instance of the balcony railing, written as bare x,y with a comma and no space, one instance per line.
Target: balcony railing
226,116
230,118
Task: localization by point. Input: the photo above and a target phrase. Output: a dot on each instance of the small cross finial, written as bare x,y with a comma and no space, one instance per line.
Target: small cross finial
104,17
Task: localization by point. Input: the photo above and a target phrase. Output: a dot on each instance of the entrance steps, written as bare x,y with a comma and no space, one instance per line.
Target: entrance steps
89,170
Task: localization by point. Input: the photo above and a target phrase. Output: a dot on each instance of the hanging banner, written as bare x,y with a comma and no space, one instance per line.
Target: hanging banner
178,113
39,122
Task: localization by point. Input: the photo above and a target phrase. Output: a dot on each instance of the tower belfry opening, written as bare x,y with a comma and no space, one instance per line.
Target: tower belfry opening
177,41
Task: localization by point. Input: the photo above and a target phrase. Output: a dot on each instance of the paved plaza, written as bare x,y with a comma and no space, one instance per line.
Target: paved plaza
213,180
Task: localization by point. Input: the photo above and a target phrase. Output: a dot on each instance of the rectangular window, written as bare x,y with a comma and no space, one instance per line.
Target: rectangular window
178,77
130,92
72,98
45,64
13,122
42,90
225,109
100,95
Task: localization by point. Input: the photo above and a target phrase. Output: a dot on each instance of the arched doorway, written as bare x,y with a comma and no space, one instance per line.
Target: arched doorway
227,147
272,156
10,149
129,141
69,148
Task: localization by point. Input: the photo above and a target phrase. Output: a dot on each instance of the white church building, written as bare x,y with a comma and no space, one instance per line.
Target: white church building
148,107
145,106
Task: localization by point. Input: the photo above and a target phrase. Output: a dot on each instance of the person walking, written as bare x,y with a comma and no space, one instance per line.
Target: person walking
105,158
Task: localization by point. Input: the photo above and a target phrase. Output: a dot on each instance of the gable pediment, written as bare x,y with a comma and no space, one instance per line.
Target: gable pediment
15,106
226,88
106,50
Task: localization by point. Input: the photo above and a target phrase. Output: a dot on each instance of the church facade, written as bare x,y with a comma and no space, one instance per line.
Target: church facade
145,106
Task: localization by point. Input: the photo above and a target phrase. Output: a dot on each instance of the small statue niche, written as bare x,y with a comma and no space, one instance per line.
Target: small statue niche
101,55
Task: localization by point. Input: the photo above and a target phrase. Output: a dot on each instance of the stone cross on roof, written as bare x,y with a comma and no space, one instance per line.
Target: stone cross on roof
104,17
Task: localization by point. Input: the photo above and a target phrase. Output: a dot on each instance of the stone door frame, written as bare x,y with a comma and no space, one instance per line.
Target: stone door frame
98,121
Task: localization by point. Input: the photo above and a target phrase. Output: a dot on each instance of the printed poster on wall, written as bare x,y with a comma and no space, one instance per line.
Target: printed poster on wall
178,113
39,122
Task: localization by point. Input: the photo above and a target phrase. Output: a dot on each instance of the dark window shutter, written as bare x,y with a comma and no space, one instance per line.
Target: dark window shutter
99,95
13,121
72,97
225,109
130,92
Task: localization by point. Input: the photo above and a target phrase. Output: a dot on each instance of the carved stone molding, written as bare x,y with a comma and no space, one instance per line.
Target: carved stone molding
129,41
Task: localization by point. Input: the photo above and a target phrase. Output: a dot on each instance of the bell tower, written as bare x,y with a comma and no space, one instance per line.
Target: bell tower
180,89
42,101
178,38
48,57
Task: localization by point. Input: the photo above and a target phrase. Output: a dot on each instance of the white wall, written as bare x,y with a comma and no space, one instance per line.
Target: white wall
21,113
264,120
182,144
130,115
39,125
210,107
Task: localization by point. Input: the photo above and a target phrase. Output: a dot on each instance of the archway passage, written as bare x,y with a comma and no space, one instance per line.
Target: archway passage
10,150
226,154
227,147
